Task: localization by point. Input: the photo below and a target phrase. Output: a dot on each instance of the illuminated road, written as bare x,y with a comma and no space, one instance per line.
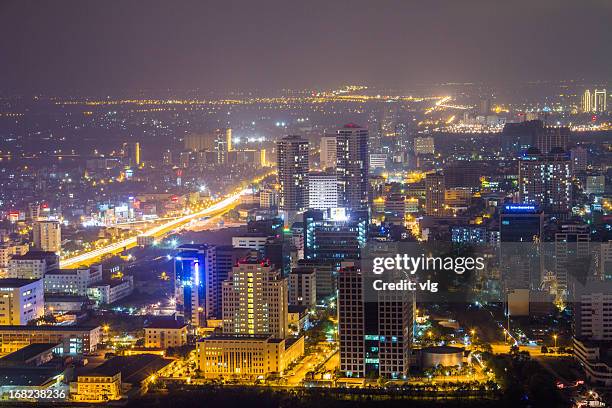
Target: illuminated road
215,209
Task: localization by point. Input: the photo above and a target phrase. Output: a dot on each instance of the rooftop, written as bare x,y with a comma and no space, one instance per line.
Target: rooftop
16,283
133,369
28,377
165,324
27,353
34,255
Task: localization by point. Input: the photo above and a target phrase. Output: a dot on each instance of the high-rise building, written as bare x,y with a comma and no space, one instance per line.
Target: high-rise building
434,194
375,334
327,155
322,190
21,300
587,101
131,153
545,180
292,153
572,255
600,103
333,240
303,287
194,264
579,157
550,138
255,299
268,198
47,236
353,166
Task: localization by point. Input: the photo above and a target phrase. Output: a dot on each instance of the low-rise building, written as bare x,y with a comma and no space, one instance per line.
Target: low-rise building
165,333
111,291
72,281
252,357
32,265
75,340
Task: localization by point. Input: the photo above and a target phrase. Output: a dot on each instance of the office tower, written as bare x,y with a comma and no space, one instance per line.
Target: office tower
600,101
21,300
424,145
131,152
596,184
194,264
322,190
292,156
353,166
303,287
550,138
327,155
255,299
47,236
434,194
587,101
545,180
218,141
579,157
572,256
375,334
332,240
226,257
351,322
520,232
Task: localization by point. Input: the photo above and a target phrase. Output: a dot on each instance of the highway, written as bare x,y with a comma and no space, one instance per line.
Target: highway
215,209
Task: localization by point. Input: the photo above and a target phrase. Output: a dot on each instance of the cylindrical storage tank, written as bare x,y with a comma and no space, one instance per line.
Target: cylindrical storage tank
446,356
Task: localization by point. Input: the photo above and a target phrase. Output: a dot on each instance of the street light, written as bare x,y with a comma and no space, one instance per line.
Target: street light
555,337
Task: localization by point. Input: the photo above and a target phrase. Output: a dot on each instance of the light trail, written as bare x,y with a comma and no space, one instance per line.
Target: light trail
221,206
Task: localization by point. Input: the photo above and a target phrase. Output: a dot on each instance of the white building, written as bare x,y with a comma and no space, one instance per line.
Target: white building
21,300
111,291
378,160
72,281
48,236
32,265
303,287
7,251
328,152
322,190
596,184
255,241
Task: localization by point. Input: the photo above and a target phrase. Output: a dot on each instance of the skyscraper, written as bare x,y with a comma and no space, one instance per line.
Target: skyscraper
434,194
600,104
327,155
322,190
549,138
545,180
353,166
255,299
292,174
587,101
47,236
194,264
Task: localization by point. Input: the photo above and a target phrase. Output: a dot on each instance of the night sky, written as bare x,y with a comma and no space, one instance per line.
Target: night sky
87,46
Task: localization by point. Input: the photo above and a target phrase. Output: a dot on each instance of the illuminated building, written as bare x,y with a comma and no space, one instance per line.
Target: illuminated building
596,184
587,101
32,265
333,240
253,357
131,153
110,291
353,166
579,157
600,104
47,236
434,194
292,156
21,300
322,190
328,152
255,299
395,209
165,333
303,287
193,264
545,180
268,198
7,251
375,334
74,339
549,138
72,281
572,251
378,161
